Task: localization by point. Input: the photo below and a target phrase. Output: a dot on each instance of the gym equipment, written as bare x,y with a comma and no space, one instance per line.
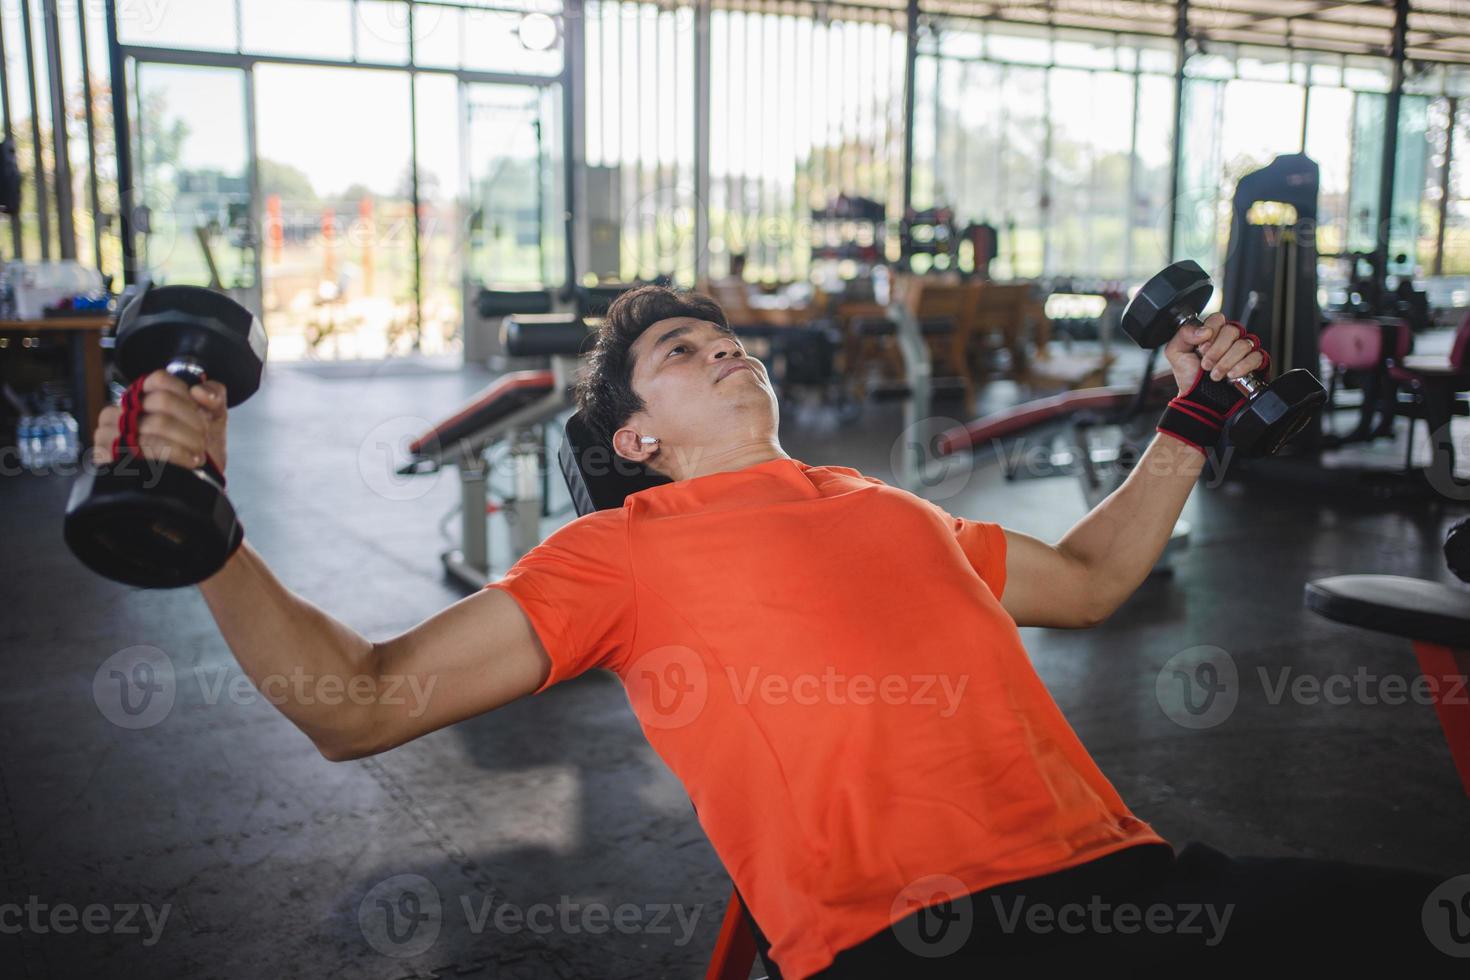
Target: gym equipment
984,242
932,233
1457,550
512,410
1434,390
10,179
1270,278
1435,616
1272,413
153,524
1362,354
1367,295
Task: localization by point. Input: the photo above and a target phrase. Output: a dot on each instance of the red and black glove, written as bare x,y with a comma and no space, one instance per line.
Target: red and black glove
131,408
1198,416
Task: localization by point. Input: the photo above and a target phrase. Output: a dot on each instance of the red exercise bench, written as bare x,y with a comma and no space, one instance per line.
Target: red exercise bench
1433,615
513,409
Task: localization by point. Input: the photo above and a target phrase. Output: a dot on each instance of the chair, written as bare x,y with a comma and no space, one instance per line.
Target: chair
1012,310
734,299
945,311
1003,311
733,295
1434,386
1364,351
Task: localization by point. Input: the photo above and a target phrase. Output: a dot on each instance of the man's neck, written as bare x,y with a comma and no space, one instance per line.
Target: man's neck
727,460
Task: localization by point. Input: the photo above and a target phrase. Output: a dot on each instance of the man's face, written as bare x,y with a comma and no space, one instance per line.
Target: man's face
702,395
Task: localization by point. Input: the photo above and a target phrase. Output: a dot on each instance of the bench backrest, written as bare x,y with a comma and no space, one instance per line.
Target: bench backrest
597,477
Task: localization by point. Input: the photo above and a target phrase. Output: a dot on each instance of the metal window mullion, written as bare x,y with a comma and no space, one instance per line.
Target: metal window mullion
42,216
639,185
1003,125
787,269
702,120
1452,108
92,179
16,240
911,54
727,107
962,168
1132,202
228,59
414,192
1384,240
936,167
754,244
66,231
1181,38
252,169
574,140
1046,185
467,191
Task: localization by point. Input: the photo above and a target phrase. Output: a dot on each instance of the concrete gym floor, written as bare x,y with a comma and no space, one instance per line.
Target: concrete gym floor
222,816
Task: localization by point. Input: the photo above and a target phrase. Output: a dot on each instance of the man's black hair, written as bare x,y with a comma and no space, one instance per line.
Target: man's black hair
605,394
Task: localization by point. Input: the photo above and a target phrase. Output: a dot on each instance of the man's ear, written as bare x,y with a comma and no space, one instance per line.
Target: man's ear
628,443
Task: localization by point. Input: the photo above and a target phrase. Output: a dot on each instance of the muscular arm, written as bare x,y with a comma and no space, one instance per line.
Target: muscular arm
1098,564
353,697
1082,579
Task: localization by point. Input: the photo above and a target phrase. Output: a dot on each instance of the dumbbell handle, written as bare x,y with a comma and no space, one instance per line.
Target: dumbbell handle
1250,385
187,369
190,371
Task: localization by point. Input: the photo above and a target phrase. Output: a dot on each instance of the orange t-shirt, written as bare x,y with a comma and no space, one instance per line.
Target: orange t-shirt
824,662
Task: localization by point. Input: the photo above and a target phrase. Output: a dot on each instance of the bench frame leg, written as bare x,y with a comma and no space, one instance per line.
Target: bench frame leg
1448,670
470,562
734,953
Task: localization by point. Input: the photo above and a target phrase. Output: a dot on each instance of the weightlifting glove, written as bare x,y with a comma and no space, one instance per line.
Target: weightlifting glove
131,408
1198,416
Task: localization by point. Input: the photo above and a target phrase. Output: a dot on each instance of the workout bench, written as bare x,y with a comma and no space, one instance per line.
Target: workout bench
514,409
1435,617
598,479
1132,408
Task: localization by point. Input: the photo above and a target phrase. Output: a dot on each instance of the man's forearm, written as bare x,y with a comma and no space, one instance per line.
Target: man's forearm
1121,539
302,660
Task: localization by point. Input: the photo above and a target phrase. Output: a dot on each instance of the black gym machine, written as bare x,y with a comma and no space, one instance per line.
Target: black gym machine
1271,287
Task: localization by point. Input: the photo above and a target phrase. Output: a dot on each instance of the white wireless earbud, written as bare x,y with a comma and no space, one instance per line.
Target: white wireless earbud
648,441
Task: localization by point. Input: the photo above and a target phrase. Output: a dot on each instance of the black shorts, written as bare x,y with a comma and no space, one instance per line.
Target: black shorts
1149,910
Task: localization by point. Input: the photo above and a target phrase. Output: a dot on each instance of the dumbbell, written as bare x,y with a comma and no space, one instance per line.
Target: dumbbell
1274,411
147,523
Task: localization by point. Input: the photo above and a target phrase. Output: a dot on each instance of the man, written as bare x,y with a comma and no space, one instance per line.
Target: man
830,665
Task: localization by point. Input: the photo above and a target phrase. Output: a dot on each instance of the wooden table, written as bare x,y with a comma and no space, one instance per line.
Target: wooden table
89,382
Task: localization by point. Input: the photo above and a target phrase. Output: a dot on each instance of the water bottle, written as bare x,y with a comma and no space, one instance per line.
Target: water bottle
23,440
46,439
36,445
58,440
64,453
42,437
72,435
